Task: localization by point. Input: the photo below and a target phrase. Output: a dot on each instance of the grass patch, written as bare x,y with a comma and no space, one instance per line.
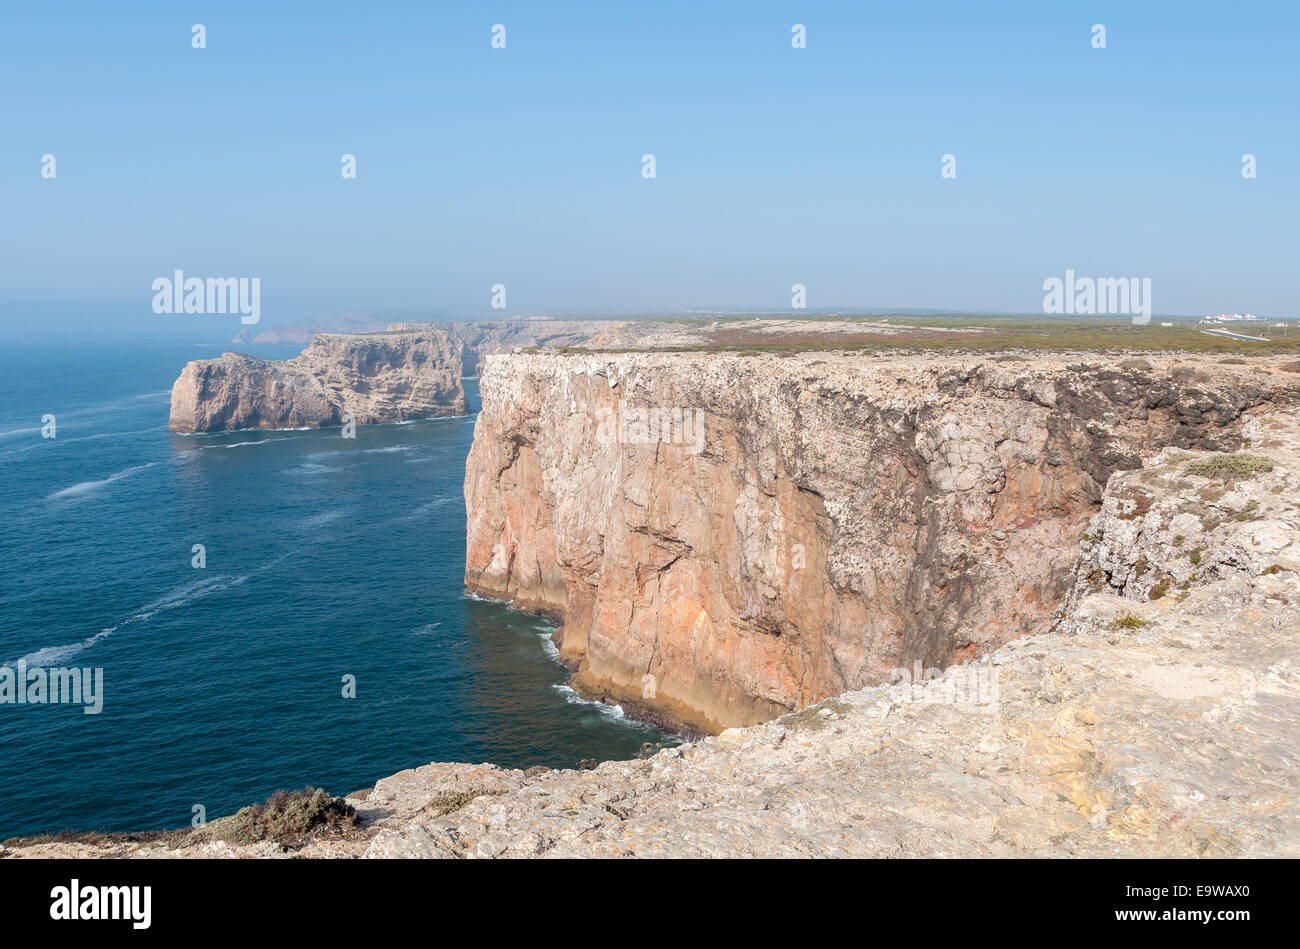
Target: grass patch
445,804
1127,621
1159,590
1229,467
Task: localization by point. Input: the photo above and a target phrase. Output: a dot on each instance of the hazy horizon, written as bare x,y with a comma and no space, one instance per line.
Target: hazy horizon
523,166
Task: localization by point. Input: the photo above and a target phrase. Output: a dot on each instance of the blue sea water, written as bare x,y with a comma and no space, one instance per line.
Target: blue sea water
326,557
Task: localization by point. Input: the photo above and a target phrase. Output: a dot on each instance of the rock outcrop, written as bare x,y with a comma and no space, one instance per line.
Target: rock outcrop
727,538
375,377
1138,727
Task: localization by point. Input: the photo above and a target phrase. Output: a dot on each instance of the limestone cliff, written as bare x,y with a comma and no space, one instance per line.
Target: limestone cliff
375,377
727,538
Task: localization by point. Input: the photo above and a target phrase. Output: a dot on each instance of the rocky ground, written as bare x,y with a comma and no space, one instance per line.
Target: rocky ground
701,333
1159,717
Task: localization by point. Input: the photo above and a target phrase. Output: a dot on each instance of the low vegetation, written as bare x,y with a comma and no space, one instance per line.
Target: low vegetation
1127,621
289,818
1229,467
964,333
451,801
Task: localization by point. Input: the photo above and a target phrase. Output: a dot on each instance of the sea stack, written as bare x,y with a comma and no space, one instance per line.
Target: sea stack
373,377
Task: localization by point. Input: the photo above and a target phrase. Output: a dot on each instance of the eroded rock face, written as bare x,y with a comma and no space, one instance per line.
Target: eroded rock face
840,517
1173,526
375,377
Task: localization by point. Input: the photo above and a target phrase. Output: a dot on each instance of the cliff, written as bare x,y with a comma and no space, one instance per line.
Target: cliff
375,377
727,538
1156,724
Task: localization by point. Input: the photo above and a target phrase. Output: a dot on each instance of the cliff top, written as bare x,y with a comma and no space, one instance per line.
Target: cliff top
947,335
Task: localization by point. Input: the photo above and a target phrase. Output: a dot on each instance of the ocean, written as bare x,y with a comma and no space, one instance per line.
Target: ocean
324,561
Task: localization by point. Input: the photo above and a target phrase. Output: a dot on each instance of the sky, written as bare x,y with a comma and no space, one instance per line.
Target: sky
522,166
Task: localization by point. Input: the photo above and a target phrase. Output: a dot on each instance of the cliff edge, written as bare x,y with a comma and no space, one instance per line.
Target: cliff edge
730,537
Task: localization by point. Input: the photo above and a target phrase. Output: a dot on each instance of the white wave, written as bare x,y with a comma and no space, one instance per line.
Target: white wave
426,629
44,443
310,469
235,431
113,405
56,655
426,508
20,431
87,486
573,698
187,593
385,451
321,519
260,441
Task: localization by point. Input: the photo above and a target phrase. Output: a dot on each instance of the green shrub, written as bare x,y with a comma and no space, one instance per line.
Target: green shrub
1127,621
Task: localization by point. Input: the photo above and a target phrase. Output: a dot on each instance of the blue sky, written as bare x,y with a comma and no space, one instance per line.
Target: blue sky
521,166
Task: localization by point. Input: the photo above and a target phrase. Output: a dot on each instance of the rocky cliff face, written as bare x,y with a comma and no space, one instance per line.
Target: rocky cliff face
376,377
727,538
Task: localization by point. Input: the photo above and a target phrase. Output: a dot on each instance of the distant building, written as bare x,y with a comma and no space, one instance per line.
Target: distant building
1235,319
